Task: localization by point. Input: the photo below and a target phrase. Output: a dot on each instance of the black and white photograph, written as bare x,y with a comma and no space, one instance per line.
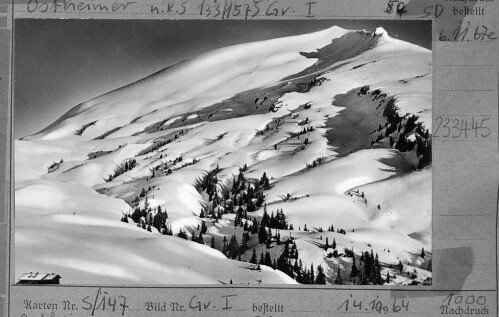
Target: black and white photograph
262,152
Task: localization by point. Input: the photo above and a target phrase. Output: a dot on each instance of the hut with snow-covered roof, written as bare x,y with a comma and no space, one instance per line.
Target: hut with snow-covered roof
39,278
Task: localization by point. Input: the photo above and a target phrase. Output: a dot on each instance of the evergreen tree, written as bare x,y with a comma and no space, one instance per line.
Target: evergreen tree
423,254
158,220
212,244
244,243
262,233
260,199
296,268
269,238
355,270
326,246
251,206
136,215
338,279
372,277
233,248
182,234
321,277
334,244
253,257
204,228
387,277
254,226
378,279
224,249
265,217
124,218
400,266
312,274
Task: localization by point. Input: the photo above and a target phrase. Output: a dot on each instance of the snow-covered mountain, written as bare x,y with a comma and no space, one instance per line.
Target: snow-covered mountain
269,144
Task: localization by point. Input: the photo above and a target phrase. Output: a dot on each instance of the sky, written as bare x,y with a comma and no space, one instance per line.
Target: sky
59,64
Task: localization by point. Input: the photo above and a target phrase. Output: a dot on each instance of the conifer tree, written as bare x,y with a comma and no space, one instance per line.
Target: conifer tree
423,254
265,217
254,226
378,279
355,270
212,244
182,234
262,233
260,199
244,243
338,279
224,249
253,259
233,248
312,274
321,277
251,206
296,268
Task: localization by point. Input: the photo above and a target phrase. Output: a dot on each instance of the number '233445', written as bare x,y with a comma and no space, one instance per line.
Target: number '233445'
464,128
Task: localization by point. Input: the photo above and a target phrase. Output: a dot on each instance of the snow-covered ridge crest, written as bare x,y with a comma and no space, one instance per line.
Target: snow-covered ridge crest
211,77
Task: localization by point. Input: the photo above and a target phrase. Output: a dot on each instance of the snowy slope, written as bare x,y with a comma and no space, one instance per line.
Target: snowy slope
272,106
